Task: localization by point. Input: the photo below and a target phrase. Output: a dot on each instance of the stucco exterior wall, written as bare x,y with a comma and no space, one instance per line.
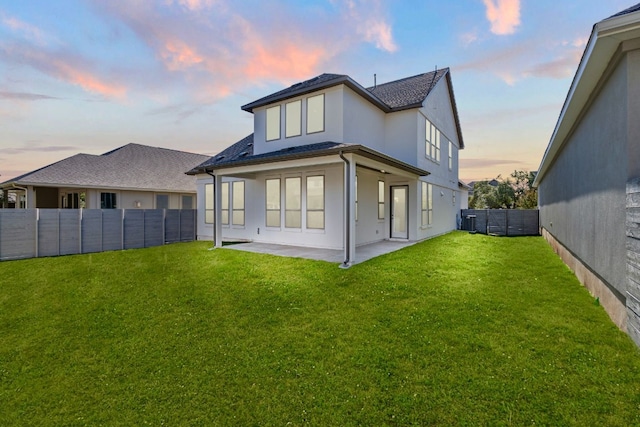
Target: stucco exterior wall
364,122
582,196
333,123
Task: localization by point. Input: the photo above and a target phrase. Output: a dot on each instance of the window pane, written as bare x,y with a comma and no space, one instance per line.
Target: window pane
273,218
292,219
380,210
380,191
225,195
187,202
273,193
273,123
208,216
293,118
238,195
162,201
208,196
292,193
315,192
424,217
315,113
315,219
430,196
225,217
238,217
424,196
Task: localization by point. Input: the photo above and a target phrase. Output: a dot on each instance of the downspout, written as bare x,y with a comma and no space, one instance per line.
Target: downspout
347,189
214,206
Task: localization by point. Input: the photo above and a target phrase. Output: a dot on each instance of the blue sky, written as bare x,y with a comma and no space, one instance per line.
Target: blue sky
90,76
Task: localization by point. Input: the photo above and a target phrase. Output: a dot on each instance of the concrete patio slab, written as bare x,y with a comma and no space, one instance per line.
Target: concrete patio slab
363,253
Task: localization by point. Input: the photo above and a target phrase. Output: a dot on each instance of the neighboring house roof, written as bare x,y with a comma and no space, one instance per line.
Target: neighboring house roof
132,166
398,95
241,154
606,37
464,186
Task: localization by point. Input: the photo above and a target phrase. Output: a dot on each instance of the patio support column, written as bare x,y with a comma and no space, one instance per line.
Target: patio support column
217,211
350,210
5,199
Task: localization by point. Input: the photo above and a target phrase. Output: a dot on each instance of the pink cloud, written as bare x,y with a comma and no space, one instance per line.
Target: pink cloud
29,31
504,15
63,66
370,23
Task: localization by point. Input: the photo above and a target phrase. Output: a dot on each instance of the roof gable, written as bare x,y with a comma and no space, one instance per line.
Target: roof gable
409,92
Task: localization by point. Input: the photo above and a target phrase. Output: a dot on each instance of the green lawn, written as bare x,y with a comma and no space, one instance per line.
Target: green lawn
458,330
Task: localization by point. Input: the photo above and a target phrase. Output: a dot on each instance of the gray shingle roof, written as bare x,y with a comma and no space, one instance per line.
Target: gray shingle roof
627,11
132,166
323,80
397,95
242,151
409,92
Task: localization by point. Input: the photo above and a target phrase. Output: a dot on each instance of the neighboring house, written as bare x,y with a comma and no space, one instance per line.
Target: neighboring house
464,195
591,163
132,176
334,165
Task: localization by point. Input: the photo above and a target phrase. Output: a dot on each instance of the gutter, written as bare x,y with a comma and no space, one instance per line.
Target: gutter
347,189
26,193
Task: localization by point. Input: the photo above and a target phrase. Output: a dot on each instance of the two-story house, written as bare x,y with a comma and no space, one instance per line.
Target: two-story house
332,164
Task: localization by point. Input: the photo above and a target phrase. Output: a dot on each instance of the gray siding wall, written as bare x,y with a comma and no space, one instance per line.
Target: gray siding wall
583,196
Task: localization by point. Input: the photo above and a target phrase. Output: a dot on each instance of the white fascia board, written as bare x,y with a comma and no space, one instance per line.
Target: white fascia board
603,43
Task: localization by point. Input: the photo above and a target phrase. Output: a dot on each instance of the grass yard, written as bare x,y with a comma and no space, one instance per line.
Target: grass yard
458,330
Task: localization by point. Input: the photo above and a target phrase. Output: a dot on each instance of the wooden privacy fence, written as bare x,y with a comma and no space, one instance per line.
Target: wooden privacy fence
31,233
502,222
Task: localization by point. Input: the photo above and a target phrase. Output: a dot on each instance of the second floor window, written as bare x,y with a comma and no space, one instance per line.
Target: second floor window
432,145
315,113
450,155
293,118
273,123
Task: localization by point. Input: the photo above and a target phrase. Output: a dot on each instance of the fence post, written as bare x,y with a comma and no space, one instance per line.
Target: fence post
58,218
37,231
164,226
80,230
122,231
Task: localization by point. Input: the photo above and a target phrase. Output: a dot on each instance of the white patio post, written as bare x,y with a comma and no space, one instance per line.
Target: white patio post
350,213
217,211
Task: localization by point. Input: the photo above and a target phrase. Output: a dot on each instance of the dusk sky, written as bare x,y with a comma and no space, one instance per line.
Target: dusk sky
91,76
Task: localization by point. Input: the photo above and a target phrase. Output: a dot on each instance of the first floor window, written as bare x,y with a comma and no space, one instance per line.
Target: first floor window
426,204
380,199
209,214
224,205
238,203
293,204
108,201
162,201
187,202
315,202
272,193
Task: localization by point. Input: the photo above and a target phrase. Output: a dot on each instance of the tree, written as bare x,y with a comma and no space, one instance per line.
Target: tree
500,193
526,195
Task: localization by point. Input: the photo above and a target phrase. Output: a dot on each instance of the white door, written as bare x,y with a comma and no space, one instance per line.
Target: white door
399,212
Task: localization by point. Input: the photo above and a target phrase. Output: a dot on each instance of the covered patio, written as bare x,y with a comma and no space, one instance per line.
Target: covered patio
363,253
